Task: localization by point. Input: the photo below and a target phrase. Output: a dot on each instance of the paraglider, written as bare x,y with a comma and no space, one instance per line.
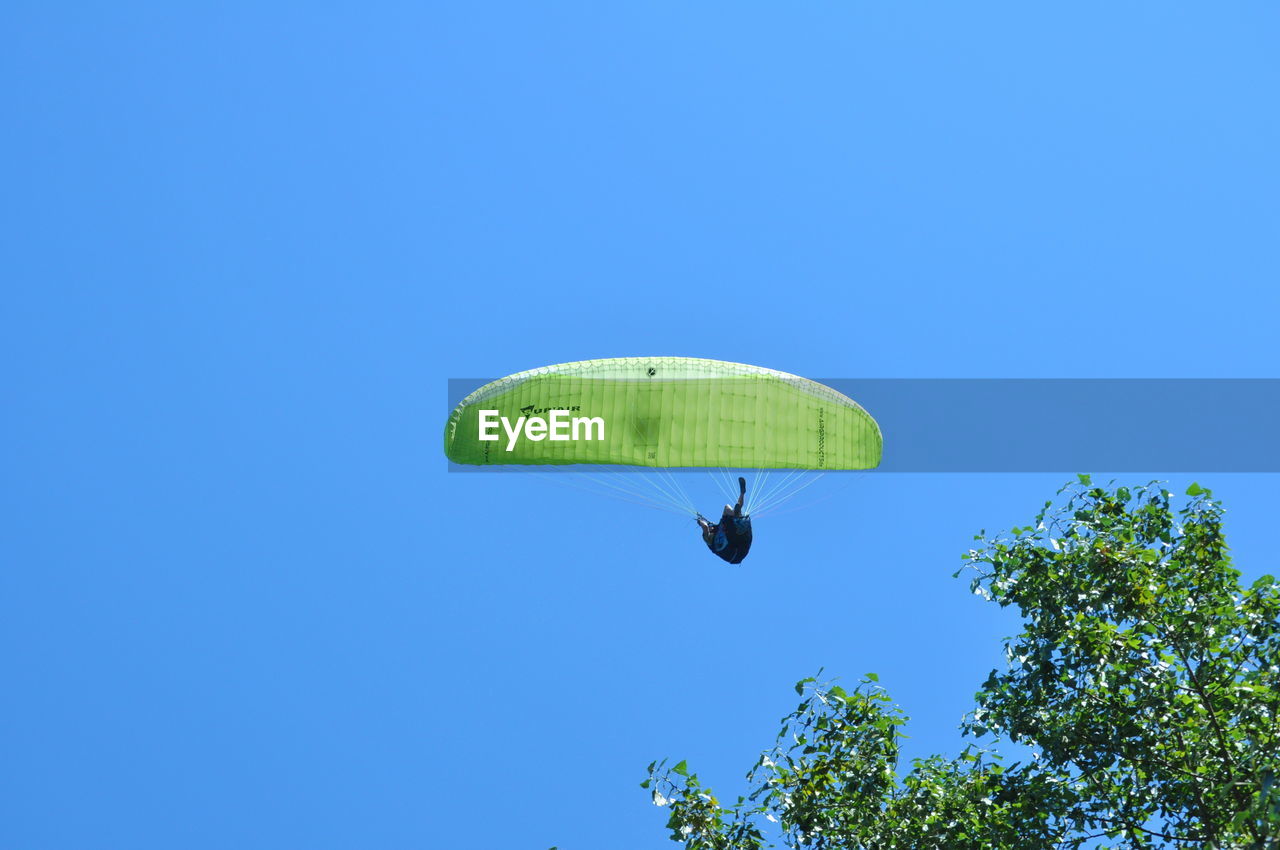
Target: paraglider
730,539
659,414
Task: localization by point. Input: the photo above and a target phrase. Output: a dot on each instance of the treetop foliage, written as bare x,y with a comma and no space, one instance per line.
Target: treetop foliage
1145,683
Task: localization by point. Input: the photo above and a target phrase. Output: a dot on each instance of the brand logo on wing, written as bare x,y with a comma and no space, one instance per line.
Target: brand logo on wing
822,437
531,409
557,426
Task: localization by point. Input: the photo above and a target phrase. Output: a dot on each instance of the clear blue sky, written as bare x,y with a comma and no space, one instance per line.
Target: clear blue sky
244,246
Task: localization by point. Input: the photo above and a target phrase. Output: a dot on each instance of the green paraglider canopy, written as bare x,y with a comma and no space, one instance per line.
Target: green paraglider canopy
662,412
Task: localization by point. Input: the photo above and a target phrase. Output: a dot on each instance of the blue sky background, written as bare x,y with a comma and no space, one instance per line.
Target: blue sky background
244,246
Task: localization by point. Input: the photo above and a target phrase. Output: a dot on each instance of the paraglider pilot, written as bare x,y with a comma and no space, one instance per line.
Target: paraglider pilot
730,539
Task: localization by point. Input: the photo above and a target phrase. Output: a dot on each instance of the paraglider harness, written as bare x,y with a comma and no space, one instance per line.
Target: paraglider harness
731,538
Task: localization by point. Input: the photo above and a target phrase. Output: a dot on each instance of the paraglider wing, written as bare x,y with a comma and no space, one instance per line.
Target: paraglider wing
662,412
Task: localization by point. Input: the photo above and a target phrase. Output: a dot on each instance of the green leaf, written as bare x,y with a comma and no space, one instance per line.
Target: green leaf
682,768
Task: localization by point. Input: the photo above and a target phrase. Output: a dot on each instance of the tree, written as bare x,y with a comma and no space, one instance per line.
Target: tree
1145,684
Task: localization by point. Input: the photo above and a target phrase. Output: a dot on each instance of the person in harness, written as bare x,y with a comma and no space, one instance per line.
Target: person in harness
729,539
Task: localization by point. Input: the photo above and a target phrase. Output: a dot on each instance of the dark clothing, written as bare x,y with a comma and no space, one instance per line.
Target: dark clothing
731,538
